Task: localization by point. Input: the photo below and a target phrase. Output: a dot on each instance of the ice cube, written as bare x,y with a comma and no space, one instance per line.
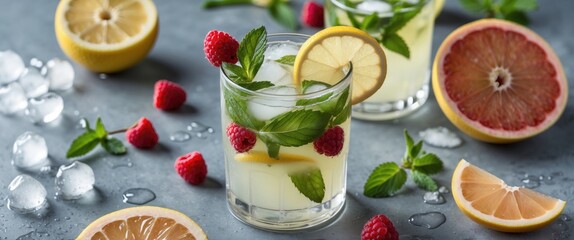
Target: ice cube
26,195
45,108
273,72
60,74
30,152
264,109
278,51
440,137
11,66
37,63
33,83
12,98
74,181
375,6
315,88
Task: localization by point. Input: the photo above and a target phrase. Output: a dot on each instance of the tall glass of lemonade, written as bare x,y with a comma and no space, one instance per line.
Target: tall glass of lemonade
404,29
285,144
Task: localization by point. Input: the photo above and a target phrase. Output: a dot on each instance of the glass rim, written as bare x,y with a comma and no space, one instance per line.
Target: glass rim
388,13
341,83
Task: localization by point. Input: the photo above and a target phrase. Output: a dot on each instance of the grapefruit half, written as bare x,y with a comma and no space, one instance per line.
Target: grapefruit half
498,81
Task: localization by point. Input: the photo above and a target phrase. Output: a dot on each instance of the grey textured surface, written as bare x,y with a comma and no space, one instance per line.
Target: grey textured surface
26,26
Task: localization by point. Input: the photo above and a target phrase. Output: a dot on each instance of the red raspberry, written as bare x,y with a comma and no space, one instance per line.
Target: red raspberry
191,167
331,142
168,95
242,139
312,14
142,134
220,47
379,228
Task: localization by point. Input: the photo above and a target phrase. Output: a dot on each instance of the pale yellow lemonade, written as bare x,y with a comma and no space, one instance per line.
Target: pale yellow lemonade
406,85
260,187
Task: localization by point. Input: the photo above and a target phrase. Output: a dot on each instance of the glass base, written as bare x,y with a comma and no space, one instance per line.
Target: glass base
391,110
307,219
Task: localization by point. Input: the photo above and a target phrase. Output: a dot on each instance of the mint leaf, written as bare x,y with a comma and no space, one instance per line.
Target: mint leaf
342,116
310,101
236,107
402,17
83,144
272,148
310,183
525,5
295,128
308,83
517,17
282,13
472,5
114,146
428,164
87,124
332,18
235,72
385,180
395,43
370,22
287,60
100,129
424,181
251,50
254,86
220,3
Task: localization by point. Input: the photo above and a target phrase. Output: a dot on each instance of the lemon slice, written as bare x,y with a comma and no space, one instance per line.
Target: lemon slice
143,223
325,55
487,200
263,157
106,36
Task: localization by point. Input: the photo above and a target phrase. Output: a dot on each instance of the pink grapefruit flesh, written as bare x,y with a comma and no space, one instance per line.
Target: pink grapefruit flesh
498,81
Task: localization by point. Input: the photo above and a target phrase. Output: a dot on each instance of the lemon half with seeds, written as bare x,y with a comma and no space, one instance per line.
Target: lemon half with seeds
106,35
326,54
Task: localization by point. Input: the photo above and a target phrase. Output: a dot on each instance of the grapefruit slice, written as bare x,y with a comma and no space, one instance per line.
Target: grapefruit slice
143,223
487,200
498,81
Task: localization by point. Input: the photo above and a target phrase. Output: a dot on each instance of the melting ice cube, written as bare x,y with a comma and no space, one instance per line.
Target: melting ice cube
264,109
26,195
33,83
60,74
11,66
12,98
30,152
278,51
74,181
375,6
273,72
45,108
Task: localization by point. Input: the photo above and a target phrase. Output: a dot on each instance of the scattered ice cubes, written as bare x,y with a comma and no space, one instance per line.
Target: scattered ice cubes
45,108
433,198
33,83
30,152
375,6
273,72
11,66
74,180
277,51
12,98
265,108
60,74
26,195
440,137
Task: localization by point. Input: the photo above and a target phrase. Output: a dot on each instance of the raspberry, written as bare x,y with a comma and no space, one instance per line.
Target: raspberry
242,139
168,95
220,47
191,167
379,228
312,14
142,134
331,142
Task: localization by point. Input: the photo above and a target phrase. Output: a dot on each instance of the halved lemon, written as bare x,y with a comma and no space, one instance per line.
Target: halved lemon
324,56
106,36
487,200
263,157
144,222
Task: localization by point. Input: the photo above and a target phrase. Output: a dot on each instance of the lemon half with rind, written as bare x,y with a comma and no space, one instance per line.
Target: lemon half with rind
106,35
326,54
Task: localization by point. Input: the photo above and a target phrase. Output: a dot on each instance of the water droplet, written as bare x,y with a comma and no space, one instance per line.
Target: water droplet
210,130
67,218
430,220
179,136
200,135
138,196
433,198
443,189
565,217
197,127
76,113
116,163
103,76
530,181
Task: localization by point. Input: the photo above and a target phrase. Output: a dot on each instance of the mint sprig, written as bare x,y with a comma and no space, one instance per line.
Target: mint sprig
310,183
89,140
280,10
511,10
287,60
388,178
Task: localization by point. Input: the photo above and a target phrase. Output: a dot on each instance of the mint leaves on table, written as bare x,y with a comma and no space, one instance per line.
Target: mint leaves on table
388,178
511,10
89,140
280,10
